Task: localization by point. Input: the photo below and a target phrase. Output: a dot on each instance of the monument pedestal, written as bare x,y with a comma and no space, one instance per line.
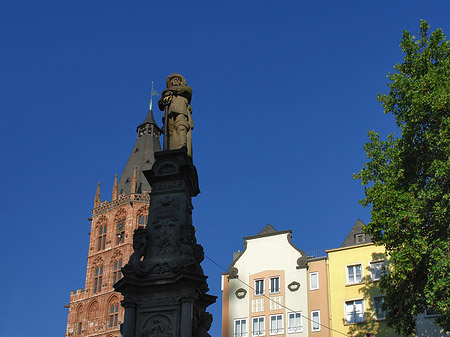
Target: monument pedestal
164,287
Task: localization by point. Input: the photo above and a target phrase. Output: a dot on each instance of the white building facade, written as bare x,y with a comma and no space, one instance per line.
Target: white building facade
265,291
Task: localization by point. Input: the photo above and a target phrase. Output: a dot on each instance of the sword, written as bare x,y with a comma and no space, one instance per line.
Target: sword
166,101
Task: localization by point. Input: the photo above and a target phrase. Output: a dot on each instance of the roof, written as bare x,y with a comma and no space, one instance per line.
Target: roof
357,236
142,156
149,120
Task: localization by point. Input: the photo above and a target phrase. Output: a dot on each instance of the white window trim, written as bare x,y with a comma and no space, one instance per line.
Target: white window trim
264,326
312,320
234,327
374,309
264,286
370,268
282,325
270,285
363,310
295,330
347,276
310,281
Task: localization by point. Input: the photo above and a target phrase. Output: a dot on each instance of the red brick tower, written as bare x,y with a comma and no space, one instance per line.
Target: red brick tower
96,310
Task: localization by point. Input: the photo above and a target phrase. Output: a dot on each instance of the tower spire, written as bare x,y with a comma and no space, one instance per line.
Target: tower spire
152,93
114,193
97,196
133,182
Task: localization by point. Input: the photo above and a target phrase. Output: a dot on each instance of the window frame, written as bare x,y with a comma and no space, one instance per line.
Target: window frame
257,288
240,334
375,315
270,285
117,273
313,329
113,315
310,280
295,328
98,276
101,237
347,274
383,265
277,332
259,333
363,316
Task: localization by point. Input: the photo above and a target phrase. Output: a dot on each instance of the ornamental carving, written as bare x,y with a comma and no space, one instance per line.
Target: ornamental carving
166,167
101,221
120,215
240,293
157,326
143,211
97,261
294,286
117,255
135,264
302,262
168,185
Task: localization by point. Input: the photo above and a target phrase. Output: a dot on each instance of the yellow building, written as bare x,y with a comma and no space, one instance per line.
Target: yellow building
354,270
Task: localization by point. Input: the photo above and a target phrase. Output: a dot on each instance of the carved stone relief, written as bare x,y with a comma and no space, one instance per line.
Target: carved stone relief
158,326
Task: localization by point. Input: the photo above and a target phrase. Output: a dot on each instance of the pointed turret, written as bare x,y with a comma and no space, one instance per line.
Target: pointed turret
114,193
97,196
141,157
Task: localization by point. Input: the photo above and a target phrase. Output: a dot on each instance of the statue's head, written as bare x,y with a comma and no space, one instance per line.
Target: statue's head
175,80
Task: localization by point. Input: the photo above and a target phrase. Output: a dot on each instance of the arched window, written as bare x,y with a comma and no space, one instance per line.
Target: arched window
120,226
142,217
98,275
79,320
113,313
101,237
117,274
93,312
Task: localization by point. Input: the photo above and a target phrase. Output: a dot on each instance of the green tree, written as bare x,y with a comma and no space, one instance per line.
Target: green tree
407,183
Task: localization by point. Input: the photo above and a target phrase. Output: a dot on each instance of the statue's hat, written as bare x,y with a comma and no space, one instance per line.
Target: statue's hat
183,81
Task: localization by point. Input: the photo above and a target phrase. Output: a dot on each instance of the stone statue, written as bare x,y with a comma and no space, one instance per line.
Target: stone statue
175,101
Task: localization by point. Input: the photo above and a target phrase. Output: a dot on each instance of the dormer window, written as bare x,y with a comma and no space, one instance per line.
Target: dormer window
360,238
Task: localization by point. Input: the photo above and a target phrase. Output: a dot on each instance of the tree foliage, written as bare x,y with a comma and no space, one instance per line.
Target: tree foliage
407,183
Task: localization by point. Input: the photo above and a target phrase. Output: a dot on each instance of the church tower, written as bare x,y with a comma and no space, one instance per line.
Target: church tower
96,310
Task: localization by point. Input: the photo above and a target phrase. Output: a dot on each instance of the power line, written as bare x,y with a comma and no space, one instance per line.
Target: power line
270,299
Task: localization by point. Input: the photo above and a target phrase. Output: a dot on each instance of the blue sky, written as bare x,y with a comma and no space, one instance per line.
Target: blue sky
284,94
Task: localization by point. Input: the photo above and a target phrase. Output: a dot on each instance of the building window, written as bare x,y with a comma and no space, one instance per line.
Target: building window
240,328
120,232
101,237
376,270
98,279
259,287
314,281
354,312
117,274
295,322
379,313
274,285
360,238
276,324
142,221
113,315
258,326
315,320
79,328
354,274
